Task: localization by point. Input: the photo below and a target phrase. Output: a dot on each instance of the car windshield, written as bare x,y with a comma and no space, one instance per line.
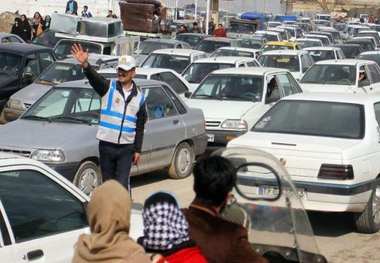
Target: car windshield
372,57
63,49
350,51
290,62
231,87
10,64
314,118
61,72
276,47
177,63
75,105
148,47
250,43
322,54
210,46
192,40
330,74
196,72
306,43
233,53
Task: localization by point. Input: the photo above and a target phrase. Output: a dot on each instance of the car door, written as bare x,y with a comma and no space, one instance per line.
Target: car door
164,129
286,85
6,248
45,216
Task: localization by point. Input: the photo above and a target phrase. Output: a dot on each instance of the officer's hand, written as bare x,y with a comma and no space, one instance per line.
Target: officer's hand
136,158
79,54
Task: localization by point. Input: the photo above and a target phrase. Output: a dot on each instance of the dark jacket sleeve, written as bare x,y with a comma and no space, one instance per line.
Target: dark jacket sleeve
242,251
97,81
140,126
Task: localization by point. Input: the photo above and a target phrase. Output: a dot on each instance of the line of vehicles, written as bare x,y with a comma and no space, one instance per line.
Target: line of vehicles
306,95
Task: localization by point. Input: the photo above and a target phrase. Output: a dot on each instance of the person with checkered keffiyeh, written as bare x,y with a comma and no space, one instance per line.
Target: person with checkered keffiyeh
166,231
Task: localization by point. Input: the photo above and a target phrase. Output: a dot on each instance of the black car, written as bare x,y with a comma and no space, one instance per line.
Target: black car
20,65
350,50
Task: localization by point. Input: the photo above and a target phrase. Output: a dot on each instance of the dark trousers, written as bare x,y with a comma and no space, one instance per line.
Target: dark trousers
116,161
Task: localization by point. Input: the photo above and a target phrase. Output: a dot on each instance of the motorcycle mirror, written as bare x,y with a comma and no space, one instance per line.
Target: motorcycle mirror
258,181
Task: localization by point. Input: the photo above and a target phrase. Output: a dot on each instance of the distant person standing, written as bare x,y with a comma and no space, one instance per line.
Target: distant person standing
16,28
111,14
26,29
72,7
211,26
86,12
38,25
220,31
196,28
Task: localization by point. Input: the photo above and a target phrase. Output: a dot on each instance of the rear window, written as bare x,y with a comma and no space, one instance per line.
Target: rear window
314,118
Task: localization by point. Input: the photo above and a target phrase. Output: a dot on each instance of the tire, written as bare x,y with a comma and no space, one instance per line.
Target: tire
88,177
182,162
368,221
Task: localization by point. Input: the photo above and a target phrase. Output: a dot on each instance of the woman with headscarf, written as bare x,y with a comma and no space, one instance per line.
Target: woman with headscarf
16,28
108,214
26,29
166,231
38,25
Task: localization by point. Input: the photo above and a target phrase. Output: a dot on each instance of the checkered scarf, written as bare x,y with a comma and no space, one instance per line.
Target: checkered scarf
165,226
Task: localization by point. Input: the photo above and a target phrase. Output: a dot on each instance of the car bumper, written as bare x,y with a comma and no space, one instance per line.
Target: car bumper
11,114
67,170
219,138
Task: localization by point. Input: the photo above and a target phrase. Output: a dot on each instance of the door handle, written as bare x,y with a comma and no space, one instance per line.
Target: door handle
175,122
35,254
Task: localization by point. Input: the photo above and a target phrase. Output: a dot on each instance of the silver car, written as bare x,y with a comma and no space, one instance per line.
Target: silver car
60,130
61,71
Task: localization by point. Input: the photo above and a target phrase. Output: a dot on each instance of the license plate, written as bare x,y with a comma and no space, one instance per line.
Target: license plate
265,190
210,137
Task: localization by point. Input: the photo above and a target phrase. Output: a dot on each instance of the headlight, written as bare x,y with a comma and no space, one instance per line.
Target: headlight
54,156
15,104
235,124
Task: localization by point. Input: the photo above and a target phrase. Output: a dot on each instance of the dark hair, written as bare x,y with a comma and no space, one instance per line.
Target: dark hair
85,6
214,178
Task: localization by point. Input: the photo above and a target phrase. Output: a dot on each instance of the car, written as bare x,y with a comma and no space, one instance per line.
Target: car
353,29
63,47
175,59
323,33
350,50
253,42
199,69
342,76
273,24
269,35
7,38
236,52
192,39
325,53
296,61
60,130
233,99
20,65
280,45
366,38
151,44
293,30
370,55
370,33
308,42
210,44
169,76
321,22
42,214
285,34
331,30
365,43
325,40
329,143
61,71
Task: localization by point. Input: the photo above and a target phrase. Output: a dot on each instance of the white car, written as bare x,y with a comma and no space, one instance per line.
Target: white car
330,145
172,58
199,69
296,61
169,76
41,213
325,53
233,99
342,76
237,52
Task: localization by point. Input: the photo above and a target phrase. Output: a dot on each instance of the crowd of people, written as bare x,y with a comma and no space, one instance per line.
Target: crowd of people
30,29
216,31
196,234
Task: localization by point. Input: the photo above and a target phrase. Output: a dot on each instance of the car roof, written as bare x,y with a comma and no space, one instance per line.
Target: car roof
285,52
22,48
322,48
163,40
218,39
356,98
240,49
4,155
351,62
223,59
374,52
249,71
84,83
178,51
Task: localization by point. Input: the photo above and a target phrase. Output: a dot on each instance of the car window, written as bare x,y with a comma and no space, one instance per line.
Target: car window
330,74
290,62
305,63
177,63
38,207
377,112
45,60
158,104
366,80
180,107
375,73
61,72
10,64
86,102
174,82
15,39
284,84
196,72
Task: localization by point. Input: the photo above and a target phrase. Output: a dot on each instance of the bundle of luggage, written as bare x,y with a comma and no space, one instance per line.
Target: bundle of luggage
142,15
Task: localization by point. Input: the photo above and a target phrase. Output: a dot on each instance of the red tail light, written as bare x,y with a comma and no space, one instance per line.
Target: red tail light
336,172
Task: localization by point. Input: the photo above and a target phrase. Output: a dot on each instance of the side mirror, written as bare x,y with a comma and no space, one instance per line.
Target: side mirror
27,78
188,94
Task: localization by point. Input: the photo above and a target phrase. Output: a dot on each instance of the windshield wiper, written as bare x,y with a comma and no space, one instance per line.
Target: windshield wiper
38,118
203,95
70,118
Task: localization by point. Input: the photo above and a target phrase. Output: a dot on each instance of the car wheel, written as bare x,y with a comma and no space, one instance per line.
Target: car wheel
369,220
88,177
182,162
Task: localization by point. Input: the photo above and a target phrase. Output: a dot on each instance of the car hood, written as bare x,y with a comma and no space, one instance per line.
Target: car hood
212,108
328,88
31,134
31,93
